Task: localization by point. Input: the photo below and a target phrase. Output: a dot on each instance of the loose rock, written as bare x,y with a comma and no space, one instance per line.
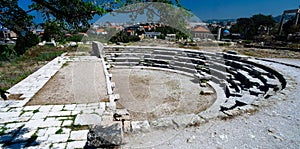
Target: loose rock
105,136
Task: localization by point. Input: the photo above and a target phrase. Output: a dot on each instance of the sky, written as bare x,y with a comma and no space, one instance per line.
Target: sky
227,9
233,9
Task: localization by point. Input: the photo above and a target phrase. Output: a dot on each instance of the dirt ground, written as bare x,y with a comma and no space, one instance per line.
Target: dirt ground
151,94
274,125
71,84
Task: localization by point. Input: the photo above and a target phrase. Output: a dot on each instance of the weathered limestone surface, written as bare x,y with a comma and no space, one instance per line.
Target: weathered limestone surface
105,136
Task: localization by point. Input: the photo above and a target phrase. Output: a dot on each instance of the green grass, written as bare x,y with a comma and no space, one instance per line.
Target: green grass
2,131
203,81
201,92
59,131
17,68
35,111
31,140
79,127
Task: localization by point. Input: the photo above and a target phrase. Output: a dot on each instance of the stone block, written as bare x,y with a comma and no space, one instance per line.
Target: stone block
67,123
79,135
143,126
69,107
126,126
59,113
87,119
58,138
46,108
57,108
187,120
105,136
31,108
59,145
76,144
107,119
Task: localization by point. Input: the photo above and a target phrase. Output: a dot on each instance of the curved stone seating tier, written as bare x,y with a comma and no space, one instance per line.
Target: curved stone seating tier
241,79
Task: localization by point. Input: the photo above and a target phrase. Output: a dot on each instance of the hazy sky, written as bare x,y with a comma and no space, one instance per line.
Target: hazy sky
230,9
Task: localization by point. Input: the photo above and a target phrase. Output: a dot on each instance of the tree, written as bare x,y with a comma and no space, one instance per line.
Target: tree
263,24
245,26
256,25
74,13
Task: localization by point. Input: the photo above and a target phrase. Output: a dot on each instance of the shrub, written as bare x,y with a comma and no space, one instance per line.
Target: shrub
26,42
203,81
6,52
201,92
247,41
75,38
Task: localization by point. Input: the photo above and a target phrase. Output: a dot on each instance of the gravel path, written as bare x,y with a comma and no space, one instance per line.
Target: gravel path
276,125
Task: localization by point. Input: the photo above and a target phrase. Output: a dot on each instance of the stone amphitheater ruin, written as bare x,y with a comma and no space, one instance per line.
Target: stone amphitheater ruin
238,81
184,88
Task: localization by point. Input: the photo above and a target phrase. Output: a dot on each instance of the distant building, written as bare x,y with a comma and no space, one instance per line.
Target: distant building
152,34
7,34
101,31
201,32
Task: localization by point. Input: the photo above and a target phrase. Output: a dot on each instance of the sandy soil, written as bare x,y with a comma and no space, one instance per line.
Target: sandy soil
75,82
151,94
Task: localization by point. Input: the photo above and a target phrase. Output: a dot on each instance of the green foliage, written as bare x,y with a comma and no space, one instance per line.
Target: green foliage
74,15
20,67
14,17
75,38
2,130
161,36
59,131
6,52
26,42
249,27
203,81
53,30
123,37
47,56
247,41
201,92
36,111
170,30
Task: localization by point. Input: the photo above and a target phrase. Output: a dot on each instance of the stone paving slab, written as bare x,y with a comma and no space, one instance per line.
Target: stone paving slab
79,135
87,119
75,144
52,126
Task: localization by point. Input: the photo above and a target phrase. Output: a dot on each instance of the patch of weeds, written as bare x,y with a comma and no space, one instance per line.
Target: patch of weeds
203,81
105,100
201,92
31,140
70,140
79,127
36,111
63,109
2,130
73,117
59,131
22,113
226,118
65,64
